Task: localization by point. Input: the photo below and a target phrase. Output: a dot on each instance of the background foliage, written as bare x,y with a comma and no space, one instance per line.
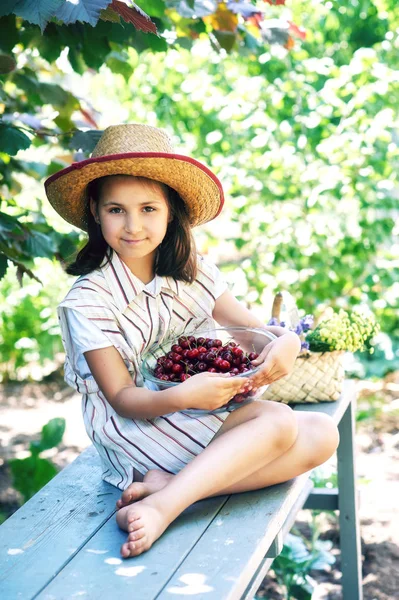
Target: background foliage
302,129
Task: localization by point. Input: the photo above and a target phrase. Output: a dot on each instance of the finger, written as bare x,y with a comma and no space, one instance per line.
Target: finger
262,356
264,375
270,377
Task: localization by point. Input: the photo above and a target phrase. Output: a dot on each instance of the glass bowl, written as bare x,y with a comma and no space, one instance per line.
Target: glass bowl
248,339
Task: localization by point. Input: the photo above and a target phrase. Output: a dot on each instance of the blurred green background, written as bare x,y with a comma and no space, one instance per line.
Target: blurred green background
303,133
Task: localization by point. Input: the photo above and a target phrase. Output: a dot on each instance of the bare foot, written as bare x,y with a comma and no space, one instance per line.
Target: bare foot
145,522
154,480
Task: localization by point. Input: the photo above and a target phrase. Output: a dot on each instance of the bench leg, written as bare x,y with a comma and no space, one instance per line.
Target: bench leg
348,509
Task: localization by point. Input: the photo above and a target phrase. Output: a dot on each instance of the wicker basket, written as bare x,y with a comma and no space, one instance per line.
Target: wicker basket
316,377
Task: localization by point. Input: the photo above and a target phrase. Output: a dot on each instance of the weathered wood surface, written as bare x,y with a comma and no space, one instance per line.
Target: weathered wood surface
65,543
45,533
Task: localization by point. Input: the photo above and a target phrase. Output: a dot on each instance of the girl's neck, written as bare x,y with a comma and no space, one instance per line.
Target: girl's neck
142,269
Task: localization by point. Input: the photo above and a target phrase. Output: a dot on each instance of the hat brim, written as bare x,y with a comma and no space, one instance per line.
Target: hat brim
198,187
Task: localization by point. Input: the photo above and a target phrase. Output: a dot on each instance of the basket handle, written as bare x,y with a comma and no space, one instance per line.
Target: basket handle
276,308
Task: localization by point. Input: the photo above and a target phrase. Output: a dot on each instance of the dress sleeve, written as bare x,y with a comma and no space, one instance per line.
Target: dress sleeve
214,275
85,335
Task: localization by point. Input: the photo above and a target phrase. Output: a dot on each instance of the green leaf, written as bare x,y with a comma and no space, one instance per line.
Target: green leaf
3,265
38,244
10,35
153,8
85,11
226,39
7,64
118,63
53,94
38,12
7,6
52,433
31,474
85,140
110,15
12,139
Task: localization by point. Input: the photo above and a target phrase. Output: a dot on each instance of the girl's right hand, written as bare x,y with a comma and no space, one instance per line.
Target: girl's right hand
209,391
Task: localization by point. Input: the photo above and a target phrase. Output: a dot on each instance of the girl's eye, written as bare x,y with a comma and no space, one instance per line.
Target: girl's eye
149,207
115,210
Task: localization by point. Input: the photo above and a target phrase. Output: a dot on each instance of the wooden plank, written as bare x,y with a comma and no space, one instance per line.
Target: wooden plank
41,537
322,499
276,546
99,572
337,408
223,561
351,555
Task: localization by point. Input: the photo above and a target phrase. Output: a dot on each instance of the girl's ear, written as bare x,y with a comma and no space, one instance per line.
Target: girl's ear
93,209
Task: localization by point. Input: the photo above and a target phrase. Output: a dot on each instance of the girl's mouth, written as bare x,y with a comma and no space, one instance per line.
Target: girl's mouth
133,242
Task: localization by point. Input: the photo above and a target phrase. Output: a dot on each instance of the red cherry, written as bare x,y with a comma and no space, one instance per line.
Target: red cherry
210,356
177,369
164,377
193,353
201,341
239,398
252,355
176,348
202,366
202,356
184,376
212,370
237,351
183,343
235,371
224,365
191,339
217,361
217,343
236,361
202,349
168,364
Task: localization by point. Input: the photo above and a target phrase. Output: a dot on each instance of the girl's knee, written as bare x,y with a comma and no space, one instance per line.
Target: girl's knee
322,438
284,421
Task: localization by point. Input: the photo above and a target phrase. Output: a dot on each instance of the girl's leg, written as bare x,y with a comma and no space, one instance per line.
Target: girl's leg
256,437
317,440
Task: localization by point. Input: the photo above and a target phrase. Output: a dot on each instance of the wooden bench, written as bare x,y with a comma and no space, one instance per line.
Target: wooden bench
64,543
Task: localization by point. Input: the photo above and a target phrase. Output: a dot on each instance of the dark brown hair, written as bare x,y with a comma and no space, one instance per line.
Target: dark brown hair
176,256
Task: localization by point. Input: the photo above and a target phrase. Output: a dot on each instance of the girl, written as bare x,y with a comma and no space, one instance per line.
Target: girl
140,277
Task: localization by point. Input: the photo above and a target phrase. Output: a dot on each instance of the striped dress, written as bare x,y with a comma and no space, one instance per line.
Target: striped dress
133,319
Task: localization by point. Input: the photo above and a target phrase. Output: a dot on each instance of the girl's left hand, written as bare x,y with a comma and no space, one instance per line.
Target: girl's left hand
277,359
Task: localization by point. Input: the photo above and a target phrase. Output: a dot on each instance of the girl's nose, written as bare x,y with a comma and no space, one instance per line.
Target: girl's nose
133,224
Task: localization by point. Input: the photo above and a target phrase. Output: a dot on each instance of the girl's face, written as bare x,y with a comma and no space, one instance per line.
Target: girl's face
134,216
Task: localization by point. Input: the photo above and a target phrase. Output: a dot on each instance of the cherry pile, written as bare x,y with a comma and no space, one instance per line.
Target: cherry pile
193,355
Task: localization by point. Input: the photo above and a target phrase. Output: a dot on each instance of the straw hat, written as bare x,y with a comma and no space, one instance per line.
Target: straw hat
136,150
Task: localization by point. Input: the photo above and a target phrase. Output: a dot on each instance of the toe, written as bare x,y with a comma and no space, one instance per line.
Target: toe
136,548
125,551
134,523
136,535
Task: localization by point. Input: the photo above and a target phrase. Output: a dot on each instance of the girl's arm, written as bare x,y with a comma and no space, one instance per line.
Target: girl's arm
229,311
205,390
278,357
115,381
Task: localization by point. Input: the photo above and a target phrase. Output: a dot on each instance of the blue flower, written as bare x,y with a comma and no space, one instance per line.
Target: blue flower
307,322
273,321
